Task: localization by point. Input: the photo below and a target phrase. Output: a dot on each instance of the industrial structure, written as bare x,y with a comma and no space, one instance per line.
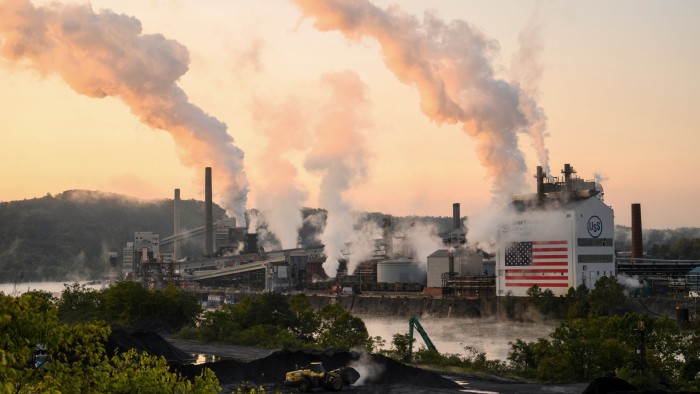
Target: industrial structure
557,238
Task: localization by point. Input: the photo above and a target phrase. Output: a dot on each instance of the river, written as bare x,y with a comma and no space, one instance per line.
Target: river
486,335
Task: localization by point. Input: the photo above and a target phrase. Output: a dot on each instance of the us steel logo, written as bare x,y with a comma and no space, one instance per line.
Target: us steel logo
595,226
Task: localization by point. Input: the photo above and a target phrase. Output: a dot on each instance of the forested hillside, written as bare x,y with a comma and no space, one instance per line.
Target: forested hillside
67,236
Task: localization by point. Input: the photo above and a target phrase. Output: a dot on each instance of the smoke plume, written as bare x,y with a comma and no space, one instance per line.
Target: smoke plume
527,73
450,64
422,239
340,157
280,196
106,54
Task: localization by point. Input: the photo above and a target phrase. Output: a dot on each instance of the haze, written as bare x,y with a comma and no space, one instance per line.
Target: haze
619,87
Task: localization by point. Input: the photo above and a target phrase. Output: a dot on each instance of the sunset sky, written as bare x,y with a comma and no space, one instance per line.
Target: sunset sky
619,85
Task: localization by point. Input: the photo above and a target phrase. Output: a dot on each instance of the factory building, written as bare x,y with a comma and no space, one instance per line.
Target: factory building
557,238
461,262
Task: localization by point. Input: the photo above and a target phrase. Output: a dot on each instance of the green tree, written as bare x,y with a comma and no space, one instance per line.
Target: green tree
338,328
607,295
401,345
77,361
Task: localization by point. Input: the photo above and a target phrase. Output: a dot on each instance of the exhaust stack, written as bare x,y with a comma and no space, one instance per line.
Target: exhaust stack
540,185
176,224
208,219
456,225
568,182
637,247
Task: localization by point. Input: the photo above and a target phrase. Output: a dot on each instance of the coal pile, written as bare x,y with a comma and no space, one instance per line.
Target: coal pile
374,369
121,340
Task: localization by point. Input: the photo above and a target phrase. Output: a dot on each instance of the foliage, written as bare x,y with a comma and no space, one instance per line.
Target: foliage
68,235
129,304
269,320
76,358
583,349
606,296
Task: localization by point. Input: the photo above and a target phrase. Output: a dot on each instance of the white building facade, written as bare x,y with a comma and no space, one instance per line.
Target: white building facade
555,249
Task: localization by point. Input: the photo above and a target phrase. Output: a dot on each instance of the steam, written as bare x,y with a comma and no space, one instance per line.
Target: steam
340,157
450,64
369,369
106,54
527,72
364,233
423,239
280,196
631,283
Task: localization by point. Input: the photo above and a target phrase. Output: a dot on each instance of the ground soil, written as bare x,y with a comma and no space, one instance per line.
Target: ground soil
379,374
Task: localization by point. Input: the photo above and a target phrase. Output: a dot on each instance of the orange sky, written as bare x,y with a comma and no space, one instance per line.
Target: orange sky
619,87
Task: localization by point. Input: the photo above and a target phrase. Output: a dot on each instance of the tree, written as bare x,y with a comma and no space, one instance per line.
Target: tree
76,360
607,295
338,328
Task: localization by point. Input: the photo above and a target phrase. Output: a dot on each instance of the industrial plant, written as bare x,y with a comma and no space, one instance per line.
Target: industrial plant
558,237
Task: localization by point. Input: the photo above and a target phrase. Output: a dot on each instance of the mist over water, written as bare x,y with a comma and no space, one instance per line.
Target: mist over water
55,288
490,336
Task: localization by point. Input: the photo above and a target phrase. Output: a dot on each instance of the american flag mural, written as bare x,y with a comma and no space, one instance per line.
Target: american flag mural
541,263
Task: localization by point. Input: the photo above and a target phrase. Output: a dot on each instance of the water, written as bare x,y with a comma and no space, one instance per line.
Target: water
448,335
452,335
55,288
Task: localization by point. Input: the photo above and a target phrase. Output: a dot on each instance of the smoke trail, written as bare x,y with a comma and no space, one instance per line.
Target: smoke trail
105,54
280,196
450,64
340,157
527,71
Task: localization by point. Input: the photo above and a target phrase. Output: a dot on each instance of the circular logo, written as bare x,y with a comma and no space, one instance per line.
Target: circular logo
595,226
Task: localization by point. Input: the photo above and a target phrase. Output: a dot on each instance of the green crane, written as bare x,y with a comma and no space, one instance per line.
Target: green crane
413,322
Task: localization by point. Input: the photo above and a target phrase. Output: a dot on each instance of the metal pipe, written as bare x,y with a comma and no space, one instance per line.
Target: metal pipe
208,217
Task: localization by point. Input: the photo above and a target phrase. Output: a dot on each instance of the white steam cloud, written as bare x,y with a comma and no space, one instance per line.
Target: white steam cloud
280,196
339,155
368,369
450,64
106,54
423,239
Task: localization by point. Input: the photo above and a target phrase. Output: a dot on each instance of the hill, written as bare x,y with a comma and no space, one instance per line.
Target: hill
68,236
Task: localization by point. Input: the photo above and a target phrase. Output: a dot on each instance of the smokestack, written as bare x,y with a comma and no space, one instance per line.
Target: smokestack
540,185
456,225
176,224
208,220
637,249
568,170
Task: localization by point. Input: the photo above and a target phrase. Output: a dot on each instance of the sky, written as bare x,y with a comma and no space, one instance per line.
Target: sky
271,94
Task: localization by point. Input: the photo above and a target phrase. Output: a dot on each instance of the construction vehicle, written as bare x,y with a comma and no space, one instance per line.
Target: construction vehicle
413,322
315,376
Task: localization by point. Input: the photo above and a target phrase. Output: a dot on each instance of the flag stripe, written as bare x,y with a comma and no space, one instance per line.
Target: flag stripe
551,263
530,271
550,249
530,284
550,242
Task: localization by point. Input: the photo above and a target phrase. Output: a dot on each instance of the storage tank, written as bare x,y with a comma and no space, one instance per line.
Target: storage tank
400,270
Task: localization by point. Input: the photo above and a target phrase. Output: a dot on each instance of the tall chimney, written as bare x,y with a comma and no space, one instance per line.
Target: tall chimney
456,225
568,170
540,185
637,247
176,224
208,219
